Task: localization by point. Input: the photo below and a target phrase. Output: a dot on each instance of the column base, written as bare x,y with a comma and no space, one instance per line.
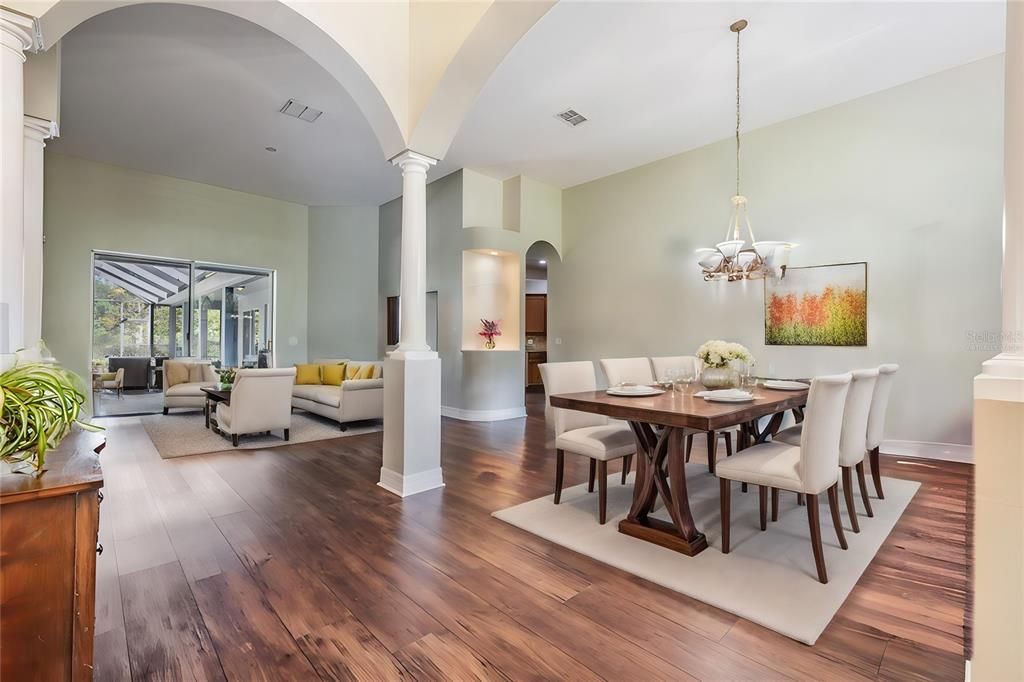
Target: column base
404,486
412,423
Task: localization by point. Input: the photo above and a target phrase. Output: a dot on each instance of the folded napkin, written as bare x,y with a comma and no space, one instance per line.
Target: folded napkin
724,393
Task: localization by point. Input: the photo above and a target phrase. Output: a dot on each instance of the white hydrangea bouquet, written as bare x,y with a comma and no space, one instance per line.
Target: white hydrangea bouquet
720,353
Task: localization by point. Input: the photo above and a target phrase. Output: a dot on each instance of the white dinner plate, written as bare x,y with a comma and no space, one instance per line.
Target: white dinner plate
782,385
728,399
634,391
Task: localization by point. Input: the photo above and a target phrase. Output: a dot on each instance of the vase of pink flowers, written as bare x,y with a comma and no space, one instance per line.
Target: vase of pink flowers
489,329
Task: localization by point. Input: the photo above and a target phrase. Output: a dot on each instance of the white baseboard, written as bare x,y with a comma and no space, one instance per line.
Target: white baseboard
949,452
404,486
483,415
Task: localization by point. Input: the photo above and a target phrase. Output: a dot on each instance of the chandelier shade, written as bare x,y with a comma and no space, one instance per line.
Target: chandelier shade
739,256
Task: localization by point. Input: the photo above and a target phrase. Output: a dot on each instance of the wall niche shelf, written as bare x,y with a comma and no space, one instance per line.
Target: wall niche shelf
491,282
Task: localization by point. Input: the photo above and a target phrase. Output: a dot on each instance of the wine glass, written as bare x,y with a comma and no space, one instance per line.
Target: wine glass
685,377
748,378
668,378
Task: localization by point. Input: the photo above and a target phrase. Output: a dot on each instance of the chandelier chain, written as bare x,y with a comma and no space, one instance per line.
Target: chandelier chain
737,112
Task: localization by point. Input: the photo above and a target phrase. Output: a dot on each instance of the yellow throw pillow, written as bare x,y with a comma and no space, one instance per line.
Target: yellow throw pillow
177,373
366,372
378,371
307,374
352,370
333,375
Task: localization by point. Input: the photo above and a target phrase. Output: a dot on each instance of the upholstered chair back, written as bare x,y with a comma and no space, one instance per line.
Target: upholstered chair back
187,370
677,362
570,377
634,370
880,404
853,442
822,427
261,399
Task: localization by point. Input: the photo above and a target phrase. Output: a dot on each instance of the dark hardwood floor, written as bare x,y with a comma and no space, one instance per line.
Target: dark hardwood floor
291,563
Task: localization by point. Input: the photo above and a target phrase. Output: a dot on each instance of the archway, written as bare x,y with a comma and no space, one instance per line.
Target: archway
538,261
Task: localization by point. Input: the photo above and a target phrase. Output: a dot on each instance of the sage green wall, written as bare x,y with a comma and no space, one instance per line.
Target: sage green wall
343,302
91,205
908,179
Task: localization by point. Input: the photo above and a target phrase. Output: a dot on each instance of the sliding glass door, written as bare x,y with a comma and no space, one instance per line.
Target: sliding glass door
147,309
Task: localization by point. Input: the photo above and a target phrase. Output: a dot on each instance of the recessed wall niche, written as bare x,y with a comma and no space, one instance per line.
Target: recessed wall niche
491,283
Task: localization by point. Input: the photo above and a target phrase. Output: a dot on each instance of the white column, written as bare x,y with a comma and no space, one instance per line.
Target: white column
999,417
37,131
412,374
16,36
413,300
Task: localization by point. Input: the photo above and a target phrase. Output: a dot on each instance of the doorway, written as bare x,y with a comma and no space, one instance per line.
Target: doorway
147,310
535,304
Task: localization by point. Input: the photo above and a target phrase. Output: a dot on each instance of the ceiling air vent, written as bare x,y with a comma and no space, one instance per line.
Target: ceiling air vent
301,111
572,117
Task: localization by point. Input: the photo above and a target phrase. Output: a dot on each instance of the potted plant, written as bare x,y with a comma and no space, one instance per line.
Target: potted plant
490,329
716,356
227,378
39,403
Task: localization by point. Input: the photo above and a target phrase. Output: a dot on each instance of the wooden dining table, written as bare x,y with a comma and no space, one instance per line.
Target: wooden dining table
660,423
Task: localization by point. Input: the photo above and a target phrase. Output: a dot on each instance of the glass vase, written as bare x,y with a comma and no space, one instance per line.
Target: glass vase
715,378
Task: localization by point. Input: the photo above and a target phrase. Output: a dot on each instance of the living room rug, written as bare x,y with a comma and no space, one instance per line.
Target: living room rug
180,434
768,577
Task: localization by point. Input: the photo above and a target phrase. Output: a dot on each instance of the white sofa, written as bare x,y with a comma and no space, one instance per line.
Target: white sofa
354,400
187,393
260,401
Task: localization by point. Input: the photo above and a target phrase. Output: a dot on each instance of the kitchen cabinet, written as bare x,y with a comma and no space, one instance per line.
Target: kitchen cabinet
536,314
533,362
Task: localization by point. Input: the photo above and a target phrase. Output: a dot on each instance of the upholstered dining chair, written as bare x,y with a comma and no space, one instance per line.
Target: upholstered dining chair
261,400
811,468
592,435
852,444
628,370
661,367
876,420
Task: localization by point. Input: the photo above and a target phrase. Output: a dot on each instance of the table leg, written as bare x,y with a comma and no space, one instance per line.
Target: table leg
206,412
772,428
651,482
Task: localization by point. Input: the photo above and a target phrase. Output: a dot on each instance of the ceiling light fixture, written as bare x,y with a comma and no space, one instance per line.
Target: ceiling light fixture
542,262
271,149
738,257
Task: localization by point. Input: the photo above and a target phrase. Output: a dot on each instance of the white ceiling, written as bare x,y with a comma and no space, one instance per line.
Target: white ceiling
195,93
656,79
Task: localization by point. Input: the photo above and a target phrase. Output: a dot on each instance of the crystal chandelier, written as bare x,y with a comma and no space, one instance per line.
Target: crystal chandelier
739,256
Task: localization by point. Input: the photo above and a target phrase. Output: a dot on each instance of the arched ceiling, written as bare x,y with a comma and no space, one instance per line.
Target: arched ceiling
658,78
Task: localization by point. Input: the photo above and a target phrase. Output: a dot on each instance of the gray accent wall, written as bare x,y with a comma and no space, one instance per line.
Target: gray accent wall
343,303
908,179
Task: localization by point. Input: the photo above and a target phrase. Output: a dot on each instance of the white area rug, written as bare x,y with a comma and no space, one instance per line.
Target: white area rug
180,434
768,577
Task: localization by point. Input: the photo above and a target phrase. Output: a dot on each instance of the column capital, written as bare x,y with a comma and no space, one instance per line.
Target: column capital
40,129
414,161
19,32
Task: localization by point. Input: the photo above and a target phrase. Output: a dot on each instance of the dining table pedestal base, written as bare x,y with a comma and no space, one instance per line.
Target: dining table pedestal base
664,534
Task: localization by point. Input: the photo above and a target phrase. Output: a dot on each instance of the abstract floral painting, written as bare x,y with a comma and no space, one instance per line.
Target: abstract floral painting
822,305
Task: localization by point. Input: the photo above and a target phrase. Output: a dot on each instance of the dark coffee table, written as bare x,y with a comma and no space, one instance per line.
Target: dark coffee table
214,396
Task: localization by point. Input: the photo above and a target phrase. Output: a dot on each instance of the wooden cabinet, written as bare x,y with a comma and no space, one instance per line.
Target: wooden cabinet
533,362
536,314
48,534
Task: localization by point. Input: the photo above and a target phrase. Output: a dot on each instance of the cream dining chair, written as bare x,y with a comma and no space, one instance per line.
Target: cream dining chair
581,433
876,420
852,445
811,468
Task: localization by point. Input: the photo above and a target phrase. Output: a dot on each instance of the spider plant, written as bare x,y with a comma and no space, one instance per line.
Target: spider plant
38,405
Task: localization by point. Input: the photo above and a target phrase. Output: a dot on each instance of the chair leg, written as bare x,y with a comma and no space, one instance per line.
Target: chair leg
864,489
814,521
593,473
728,444
234,439
627,463
800,500
775,504
712,450
166,410
876,473
848,494
724,493
743,488
559,473
287,434
602,489
689,446
762,495
833,506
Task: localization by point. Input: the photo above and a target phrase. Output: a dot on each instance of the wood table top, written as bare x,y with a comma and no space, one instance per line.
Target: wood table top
217,393
72,466
673,408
